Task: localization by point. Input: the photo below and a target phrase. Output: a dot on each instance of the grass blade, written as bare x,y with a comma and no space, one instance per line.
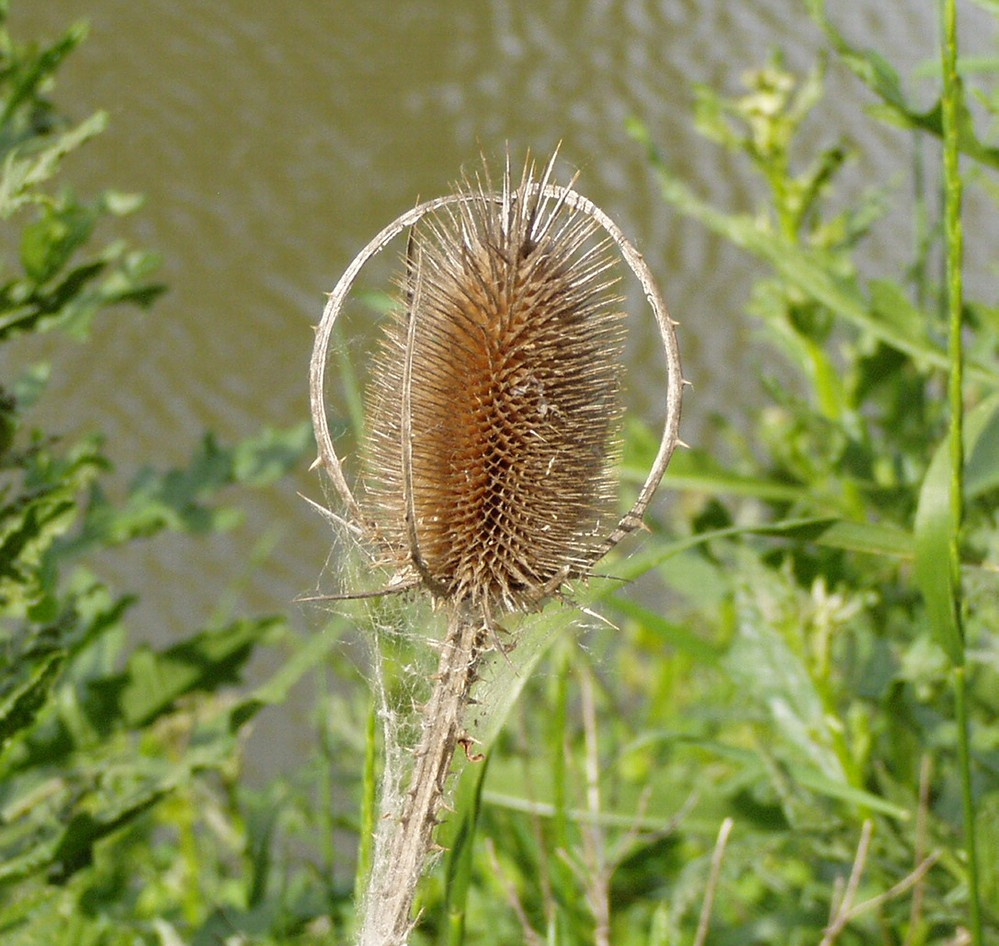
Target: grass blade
459,839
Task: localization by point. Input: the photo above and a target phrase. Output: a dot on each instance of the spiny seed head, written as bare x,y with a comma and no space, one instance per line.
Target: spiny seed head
494,401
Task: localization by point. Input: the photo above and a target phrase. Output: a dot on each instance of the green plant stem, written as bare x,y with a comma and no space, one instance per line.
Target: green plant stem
955,289
952,104
968,803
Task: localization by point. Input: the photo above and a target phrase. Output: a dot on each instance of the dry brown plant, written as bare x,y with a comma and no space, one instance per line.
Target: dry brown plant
489,468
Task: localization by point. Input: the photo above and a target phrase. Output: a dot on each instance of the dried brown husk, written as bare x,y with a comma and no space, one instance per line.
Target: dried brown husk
494,408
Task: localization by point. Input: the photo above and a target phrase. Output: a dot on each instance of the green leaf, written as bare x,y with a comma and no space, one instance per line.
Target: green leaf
698,470
934,526
30,527
881,78
816,781
869,537
150,685
65,846
22,173
47,244
982,471
671,634
21,706
768,672
75,848
303,659
28,388
153,680
458,837
28,79
264,459
120,203
179,500
814,273
893,308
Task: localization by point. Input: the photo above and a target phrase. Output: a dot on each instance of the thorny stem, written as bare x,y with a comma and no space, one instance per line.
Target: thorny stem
404,840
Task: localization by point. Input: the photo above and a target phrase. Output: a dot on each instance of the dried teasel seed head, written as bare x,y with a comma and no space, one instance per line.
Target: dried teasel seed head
494,406
494,400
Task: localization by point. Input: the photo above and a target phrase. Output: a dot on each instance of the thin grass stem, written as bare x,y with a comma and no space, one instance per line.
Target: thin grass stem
952,107
704,921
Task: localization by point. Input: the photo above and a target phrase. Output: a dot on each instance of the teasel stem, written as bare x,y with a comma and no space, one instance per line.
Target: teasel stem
405,837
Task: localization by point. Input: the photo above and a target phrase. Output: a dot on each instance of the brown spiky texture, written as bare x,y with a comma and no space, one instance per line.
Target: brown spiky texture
494,406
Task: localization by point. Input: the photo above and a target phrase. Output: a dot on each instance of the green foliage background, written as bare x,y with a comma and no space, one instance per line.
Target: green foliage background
808,687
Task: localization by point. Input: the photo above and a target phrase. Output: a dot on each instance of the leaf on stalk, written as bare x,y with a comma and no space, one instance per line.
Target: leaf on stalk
881,78
814,273
179,499
22,173
934,525
153,680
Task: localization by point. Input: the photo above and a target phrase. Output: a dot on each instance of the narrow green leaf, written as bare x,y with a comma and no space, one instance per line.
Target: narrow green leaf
933,525
672,634
933,528
458,837
20,707
982,471
813,274
869,537
698,470
275,690
816,781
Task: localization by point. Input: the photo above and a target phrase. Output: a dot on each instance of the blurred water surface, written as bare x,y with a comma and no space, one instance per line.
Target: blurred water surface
272,140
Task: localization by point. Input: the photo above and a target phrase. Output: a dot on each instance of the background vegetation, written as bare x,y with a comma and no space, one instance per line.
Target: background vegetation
792,734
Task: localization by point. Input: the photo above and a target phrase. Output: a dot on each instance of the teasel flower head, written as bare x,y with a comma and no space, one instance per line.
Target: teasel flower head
489,469
494,402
